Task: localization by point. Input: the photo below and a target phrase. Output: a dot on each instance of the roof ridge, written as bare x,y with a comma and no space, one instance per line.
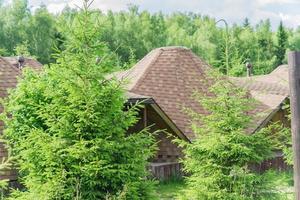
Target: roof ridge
166,48
154,59
181,75
145,73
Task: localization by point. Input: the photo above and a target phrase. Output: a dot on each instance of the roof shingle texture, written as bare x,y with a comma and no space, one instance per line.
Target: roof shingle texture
8,77
29,62
271,89
169,75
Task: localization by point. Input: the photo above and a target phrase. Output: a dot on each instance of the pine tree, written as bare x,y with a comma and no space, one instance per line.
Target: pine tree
218,159
282,42
246,23
68,127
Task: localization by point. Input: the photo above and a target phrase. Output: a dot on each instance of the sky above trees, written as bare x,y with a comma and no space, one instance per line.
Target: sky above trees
234,11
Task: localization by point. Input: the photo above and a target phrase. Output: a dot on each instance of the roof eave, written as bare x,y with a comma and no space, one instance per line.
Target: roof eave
161,113
169,122
270,116
140,100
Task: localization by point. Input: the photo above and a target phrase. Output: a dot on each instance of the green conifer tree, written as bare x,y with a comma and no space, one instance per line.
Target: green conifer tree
282,43
246,23
67,127
219,159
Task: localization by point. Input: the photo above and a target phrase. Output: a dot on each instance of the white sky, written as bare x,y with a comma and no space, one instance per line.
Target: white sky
234,11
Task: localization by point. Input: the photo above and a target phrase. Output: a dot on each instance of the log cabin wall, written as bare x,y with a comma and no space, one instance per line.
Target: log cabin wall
278,162
167,151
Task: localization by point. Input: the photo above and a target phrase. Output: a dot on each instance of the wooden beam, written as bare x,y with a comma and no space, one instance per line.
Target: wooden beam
270,116
170,123
294,81
145,116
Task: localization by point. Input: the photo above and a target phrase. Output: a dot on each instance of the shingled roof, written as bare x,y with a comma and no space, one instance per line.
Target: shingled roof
9,72
8,75
28,62
270,90
169,75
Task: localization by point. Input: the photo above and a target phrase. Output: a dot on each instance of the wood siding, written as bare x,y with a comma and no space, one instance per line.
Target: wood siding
278,162
167,151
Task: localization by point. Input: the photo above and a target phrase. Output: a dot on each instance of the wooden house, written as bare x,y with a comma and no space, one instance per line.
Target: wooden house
167,77
165,80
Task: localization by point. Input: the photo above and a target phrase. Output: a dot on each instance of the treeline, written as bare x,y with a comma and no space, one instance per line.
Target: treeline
130,35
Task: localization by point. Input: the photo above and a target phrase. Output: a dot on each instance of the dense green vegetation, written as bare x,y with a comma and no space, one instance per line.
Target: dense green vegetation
280,181
219,159
167,190
67,127
131,34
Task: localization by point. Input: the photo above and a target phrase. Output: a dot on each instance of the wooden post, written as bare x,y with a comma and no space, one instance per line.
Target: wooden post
145,116
294,81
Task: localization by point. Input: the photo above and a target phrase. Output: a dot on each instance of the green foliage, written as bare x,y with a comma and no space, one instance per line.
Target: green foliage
19,25
246,23
3,52
287,149
219,159
140,32
22,49
41,30
133,33
282,43
294,42
67,127
4,166
170,189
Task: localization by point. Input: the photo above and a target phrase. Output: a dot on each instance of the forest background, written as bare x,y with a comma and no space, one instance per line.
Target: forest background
129,35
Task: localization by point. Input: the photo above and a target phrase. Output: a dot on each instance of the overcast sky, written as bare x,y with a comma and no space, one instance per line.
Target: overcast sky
234,11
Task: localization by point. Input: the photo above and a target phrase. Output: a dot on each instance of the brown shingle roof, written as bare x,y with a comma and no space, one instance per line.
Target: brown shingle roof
271,89
29,62
9,72
8,77
169,75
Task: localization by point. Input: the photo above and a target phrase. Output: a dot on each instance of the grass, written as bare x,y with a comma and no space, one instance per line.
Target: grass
282,182
169,190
